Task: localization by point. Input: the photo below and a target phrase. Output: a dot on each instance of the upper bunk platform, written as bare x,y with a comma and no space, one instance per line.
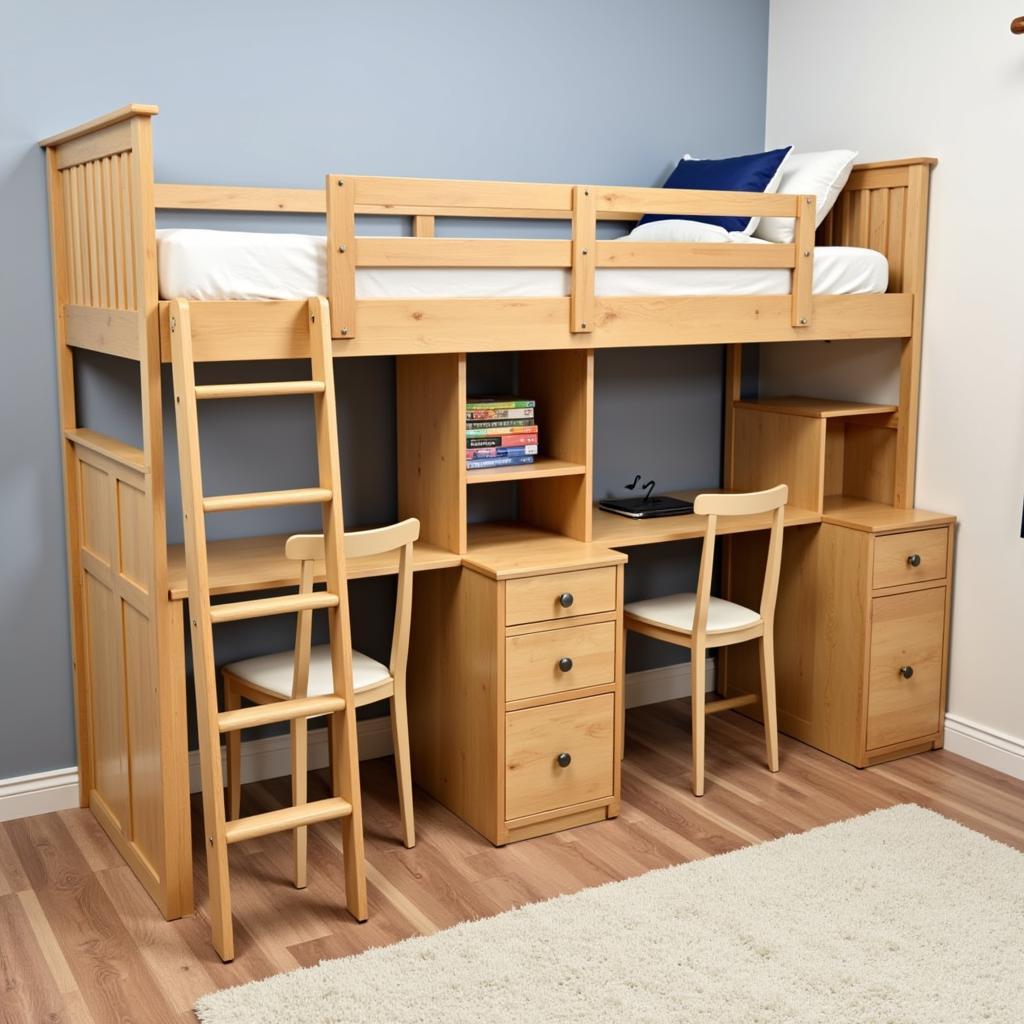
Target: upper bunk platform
105,203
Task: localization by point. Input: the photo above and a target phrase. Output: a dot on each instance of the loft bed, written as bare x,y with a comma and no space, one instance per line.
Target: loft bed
105,201
126,584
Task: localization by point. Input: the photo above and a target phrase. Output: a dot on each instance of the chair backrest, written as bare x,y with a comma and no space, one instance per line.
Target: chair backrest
716,506
308,548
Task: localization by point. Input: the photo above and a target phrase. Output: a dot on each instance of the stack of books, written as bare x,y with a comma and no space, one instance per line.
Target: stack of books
500,432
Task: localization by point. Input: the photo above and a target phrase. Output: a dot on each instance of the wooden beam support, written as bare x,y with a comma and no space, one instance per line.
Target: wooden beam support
341,255
803,268
584,260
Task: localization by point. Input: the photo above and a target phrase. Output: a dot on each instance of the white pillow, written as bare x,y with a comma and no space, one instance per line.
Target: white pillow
677,230
770,188
809,174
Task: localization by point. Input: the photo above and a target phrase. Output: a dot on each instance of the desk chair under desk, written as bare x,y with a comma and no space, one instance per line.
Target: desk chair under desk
499,588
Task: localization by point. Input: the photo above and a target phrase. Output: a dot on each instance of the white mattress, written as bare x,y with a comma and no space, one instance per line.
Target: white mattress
204,264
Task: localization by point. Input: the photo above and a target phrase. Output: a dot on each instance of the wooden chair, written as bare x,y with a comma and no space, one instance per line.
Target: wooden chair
701,622
306,671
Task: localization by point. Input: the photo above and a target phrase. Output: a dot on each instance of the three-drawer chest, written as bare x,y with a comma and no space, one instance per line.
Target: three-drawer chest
515,684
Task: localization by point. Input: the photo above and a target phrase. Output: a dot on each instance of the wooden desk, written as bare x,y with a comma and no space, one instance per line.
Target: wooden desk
259,563
615,531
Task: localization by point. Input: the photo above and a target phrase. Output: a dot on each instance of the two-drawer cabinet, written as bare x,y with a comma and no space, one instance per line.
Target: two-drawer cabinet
862,635
514,716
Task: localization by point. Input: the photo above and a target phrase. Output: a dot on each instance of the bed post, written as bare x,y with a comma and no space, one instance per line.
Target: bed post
127,670
884,206
915,233
341,255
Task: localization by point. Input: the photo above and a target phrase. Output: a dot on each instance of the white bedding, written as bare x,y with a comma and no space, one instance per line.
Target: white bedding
205,264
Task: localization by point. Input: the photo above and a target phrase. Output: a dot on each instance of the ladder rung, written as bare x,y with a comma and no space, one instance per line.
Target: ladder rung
714,706
286,818
279,711
266,499
264,606
260,390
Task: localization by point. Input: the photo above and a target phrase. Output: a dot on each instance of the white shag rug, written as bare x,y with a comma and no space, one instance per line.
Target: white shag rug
897,917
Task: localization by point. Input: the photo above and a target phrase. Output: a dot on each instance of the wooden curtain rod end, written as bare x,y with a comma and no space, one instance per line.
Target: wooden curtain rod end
1017,26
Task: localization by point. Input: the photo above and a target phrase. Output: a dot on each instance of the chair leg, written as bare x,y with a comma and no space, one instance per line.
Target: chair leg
232,702
403,767
766,651
299,794
698,663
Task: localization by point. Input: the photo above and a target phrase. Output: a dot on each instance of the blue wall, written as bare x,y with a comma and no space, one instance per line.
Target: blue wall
279,94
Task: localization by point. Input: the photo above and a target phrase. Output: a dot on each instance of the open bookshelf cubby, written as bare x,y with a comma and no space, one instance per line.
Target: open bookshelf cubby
552,493
822,448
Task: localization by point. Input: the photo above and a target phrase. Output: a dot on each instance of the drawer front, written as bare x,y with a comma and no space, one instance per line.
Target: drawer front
534,739
559,595
913,557
559,660
906,631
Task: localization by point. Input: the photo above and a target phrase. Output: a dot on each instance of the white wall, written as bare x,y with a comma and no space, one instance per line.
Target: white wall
946,79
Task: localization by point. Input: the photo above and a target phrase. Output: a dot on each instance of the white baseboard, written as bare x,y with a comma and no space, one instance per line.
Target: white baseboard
654,685
39,793
987,746
270,757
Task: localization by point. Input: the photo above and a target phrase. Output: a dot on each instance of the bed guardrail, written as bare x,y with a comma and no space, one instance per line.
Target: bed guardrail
582,254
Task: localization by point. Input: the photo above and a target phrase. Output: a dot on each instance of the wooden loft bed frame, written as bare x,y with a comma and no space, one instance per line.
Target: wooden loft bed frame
127,619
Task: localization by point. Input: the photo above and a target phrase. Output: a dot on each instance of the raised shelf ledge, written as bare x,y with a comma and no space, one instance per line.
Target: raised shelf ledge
874,517
816,408
541,466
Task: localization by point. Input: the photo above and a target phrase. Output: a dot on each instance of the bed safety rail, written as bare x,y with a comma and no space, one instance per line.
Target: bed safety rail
581,255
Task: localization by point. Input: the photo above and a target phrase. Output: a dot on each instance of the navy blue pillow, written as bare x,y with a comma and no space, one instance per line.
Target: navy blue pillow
735,174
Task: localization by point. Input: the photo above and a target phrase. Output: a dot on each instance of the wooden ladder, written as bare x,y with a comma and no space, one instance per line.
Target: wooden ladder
345,802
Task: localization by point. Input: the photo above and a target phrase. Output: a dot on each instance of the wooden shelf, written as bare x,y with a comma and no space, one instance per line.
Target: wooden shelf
816,408
507,550
614,531
259,563
875,517
542,466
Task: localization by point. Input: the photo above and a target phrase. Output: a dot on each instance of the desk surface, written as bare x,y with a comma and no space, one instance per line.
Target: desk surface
503,551
259,563
615,531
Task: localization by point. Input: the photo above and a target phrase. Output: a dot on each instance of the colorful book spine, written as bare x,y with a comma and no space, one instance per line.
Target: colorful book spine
483,425
508,460
503,412
500,453
499,440
500,403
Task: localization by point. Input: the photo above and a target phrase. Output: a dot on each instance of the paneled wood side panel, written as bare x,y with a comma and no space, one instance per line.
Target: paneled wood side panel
106,686
772,448
454,693
431,404
821,633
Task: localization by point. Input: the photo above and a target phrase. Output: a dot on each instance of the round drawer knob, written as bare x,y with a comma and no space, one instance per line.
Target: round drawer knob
565,600
913,561
565,664
564,760
906,671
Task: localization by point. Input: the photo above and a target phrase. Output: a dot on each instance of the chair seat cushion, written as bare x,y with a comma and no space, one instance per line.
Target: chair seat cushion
676,612
272,673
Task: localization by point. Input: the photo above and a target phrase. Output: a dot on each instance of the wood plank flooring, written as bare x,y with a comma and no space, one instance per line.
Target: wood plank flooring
81,942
